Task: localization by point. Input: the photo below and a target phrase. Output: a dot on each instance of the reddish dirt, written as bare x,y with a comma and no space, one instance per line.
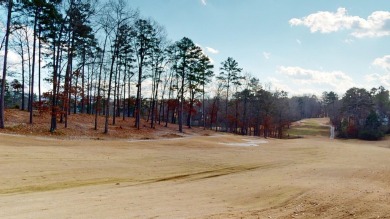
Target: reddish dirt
82,126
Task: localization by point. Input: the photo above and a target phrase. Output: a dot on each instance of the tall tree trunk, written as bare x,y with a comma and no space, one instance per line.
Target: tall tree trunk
191,108
75,92
33,66
109,87
226,106
154,96
118,94
244,130
99,84
115,93
94,110
203,109
129,96
124,91
70,88
162,105
68,82
216,115
169,98
53,121
104,94
138,110
59,72
118,84
39,64
27,37
56,68
89,81
82,83
181,103
236,119
2,95
23,76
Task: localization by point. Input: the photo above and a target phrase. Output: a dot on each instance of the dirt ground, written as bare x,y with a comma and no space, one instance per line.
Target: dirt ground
82,126
193,177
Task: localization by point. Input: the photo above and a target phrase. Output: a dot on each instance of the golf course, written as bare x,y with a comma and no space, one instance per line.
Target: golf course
196,176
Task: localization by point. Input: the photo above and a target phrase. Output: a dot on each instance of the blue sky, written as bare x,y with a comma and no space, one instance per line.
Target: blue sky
300,46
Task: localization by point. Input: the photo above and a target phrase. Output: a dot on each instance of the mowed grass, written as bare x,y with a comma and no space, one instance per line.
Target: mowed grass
308,127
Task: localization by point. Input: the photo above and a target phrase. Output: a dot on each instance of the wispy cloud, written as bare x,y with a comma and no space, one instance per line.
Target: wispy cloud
376,24
279,85
267,55
349,41
299,41
212,50
206,50
382,78
383,62
204,2
376,79
337,80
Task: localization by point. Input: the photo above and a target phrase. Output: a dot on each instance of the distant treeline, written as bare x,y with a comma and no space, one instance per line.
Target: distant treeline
107,60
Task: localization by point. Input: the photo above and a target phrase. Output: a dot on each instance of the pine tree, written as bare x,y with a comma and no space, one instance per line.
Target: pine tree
143,41
229,75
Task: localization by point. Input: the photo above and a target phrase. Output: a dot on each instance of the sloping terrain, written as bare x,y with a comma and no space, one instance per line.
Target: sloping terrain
309,127
81,126
193,177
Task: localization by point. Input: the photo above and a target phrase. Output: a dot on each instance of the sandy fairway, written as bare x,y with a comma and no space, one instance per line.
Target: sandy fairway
194,177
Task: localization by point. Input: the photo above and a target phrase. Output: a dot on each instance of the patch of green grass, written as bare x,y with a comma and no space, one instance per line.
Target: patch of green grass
308,128
307,132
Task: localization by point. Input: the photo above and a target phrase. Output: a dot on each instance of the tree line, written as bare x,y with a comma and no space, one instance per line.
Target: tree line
360,113
107,60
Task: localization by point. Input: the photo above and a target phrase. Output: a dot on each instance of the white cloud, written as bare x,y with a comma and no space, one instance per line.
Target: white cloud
383,62
200,46
376,25
349,41
2,27
204,2
279,85
13,58
208,49
267,55
382,78
337,80
376,79
211,50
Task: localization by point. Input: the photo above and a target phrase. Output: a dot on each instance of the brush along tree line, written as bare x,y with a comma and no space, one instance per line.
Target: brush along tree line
106,60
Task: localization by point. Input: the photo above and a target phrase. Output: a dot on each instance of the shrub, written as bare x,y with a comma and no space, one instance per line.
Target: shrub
370,135
352,131
372,129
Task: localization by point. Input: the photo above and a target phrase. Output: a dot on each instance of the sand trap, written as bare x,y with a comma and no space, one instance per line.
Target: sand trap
247,143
